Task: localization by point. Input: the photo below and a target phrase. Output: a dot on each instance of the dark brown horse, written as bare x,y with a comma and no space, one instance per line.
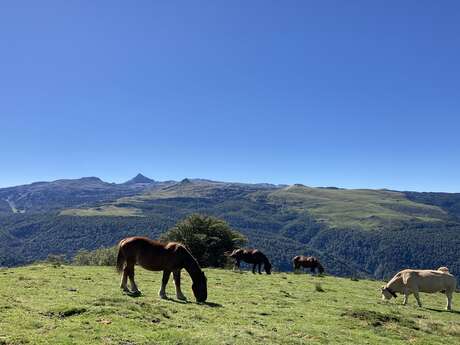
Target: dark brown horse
157,256
307,262
251,256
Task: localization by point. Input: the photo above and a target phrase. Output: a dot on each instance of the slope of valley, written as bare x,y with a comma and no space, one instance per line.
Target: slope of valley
369,233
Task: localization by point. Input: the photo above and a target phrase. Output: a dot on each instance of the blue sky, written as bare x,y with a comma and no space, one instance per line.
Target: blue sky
354,94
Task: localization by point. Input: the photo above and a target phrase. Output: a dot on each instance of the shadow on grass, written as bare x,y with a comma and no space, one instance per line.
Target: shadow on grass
133,294
240,272
212,304
208,304
169,299
444,311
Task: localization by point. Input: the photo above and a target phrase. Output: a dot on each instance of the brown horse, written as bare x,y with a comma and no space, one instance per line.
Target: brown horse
157,256
307,262
251,256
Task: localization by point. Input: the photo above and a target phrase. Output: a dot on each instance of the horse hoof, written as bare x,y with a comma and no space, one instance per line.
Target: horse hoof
182,298
163,296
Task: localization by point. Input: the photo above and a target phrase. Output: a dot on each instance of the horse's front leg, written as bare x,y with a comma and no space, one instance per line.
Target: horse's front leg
254,268
417,297
237,265
179,294
259,266
164,281
449,300
406,297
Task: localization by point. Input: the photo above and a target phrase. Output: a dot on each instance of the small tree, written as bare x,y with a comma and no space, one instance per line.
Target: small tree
97,257
208,238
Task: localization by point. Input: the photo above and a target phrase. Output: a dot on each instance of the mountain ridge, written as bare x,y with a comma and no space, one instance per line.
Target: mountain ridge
139,178
374,231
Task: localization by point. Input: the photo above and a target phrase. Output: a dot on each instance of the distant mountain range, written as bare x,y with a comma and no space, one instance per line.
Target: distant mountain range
358,232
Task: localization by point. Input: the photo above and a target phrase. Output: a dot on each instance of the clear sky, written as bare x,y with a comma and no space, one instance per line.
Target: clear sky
325,93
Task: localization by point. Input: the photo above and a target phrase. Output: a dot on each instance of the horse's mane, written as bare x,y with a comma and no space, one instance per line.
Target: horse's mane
191,263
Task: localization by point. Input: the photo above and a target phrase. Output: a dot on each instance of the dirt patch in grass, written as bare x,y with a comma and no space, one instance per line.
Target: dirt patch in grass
376,319
63,313
419,323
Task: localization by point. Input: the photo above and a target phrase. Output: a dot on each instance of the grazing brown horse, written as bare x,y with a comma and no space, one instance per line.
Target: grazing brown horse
251,256
307,262
157,256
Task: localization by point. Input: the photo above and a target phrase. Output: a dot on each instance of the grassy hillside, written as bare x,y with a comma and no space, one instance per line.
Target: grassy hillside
356,208
83,305
337,208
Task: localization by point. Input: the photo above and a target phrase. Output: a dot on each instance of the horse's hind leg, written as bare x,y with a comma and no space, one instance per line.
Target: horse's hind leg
130,273
124,280
164,281
179,294
254,268
259,266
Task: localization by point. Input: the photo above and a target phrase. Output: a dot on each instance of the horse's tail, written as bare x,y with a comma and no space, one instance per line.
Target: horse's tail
294,262
120,260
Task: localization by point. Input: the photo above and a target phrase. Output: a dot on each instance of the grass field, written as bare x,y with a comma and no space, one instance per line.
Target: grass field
107,211
43,304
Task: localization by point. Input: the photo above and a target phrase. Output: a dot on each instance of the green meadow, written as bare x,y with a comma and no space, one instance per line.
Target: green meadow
45,304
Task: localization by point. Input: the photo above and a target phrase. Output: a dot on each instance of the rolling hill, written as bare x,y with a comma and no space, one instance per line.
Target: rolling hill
362,232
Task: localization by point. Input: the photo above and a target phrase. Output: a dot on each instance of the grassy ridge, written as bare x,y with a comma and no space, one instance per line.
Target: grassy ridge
83,305
337,208
356,208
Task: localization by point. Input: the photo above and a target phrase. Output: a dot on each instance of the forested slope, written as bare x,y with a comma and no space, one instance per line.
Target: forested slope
355,232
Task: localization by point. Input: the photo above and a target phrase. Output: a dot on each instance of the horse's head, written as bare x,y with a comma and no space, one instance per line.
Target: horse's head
268,268
200,287
320,268
387,293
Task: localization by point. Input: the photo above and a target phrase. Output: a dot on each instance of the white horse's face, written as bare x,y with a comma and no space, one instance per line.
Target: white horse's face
386,295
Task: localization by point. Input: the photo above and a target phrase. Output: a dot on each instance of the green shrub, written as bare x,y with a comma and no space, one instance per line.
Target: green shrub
208,238
98,257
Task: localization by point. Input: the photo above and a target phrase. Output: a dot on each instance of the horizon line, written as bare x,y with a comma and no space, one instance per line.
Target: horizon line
119,181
